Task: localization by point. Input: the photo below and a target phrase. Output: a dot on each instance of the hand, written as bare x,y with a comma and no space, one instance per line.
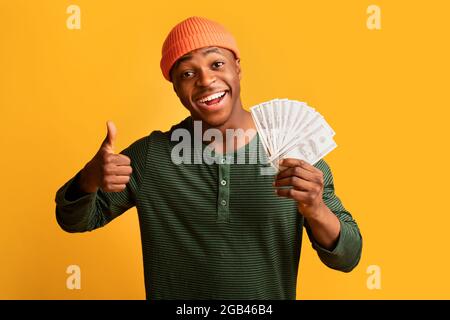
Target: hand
107,170
307,186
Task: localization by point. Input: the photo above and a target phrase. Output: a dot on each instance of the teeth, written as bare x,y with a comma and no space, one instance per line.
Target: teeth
212,97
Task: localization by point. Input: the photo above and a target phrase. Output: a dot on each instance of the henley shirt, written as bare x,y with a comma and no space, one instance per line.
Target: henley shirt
211,231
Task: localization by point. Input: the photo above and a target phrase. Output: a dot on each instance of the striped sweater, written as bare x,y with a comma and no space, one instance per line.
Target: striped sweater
211,231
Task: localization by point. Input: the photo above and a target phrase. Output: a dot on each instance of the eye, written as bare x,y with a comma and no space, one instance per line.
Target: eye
186,74
218,64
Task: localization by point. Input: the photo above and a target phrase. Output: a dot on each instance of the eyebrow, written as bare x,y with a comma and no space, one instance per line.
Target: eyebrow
188,56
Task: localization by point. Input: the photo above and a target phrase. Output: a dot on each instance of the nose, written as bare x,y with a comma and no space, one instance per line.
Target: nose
205,78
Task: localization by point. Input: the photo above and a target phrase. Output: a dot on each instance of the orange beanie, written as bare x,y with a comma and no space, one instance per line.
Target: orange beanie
190,34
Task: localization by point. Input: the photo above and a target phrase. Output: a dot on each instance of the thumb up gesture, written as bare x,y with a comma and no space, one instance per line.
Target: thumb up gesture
107,170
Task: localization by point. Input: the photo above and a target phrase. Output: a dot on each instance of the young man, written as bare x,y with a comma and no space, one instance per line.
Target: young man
211,230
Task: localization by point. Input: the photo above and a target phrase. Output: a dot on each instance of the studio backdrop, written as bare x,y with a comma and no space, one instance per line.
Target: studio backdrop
377,70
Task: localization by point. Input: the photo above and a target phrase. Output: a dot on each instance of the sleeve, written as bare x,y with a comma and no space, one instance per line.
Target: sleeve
94,210
346,254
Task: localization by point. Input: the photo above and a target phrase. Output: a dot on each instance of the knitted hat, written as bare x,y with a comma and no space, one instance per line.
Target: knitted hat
190,34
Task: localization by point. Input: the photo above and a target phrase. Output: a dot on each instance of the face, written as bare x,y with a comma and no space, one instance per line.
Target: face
207,81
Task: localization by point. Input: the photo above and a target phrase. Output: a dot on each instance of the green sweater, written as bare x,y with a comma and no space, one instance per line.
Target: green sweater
210,231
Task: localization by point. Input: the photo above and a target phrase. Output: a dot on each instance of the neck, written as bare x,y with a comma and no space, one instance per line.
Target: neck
238,131
240,119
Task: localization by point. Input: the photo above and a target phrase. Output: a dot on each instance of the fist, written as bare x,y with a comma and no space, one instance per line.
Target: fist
305,185
107,170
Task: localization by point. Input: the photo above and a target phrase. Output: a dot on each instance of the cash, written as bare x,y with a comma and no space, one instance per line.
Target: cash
292,129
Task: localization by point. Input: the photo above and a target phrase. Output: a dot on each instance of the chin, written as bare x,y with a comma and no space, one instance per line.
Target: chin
215,120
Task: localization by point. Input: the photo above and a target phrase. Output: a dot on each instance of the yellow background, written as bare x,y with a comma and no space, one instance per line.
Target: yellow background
385,93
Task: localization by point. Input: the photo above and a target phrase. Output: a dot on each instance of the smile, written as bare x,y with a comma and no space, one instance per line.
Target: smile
213,101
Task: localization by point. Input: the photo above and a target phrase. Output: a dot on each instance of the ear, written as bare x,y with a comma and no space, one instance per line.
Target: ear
238,68
174,88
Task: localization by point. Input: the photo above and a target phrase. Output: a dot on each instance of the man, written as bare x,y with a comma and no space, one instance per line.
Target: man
211,230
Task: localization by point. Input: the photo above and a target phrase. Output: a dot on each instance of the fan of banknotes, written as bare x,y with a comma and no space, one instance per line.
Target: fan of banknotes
292,129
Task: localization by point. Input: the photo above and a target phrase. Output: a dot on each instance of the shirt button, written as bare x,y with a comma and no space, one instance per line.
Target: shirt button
224,202
223,182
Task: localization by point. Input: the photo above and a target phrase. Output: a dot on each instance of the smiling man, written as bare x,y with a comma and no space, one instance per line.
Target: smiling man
210,91
220,230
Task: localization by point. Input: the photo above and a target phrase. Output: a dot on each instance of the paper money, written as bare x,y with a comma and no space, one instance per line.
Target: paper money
292,129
